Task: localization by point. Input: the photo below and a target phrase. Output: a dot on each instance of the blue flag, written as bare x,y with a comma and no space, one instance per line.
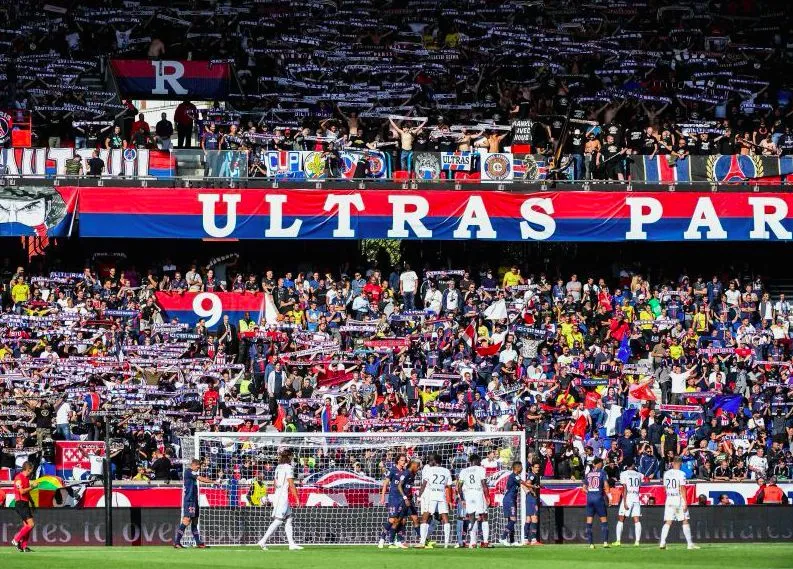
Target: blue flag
325,417
624,353
727,403
627,417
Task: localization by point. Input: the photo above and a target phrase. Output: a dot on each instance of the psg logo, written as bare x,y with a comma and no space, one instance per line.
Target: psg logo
497,167
5,127
376,164
130,154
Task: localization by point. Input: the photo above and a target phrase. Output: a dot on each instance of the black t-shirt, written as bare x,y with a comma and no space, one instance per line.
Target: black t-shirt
556,127
649,145
705,147
43,417
726,145
612,471
668,144
445,144
634,138
576,142
540,135
161,468
786,144
609,150
561,103
357,142
614,129
95,166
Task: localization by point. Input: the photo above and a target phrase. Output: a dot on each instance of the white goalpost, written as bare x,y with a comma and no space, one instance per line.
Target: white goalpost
339,477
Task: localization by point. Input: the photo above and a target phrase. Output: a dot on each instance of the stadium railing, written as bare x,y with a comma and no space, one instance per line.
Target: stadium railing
390,184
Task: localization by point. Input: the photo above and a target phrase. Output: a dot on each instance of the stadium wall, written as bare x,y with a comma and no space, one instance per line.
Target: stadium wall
155,526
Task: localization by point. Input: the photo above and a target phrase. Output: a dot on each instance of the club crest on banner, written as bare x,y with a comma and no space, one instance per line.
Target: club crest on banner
314,165
497,167
376,163
427,165
734,168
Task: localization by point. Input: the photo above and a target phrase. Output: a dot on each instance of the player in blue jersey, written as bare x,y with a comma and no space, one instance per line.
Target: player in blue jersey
190,511
409,510
395,501
530,527
510,504
596,487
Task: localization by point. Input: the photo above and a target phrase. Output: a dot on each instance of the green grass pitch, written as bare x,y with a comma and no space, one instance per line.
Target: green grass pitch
721,556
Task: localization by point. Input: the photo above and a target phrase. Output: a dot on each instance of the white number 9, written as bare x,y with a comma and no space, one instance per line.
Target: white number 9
215,308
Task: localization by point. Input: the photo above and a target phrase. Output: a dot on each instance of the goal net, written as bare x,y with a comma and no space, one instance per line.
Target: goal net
339,479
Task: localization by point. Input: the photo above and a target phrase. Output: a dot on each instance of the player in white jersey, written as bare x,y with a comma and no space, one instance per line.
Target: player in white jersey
282,512
435,498
676,506
472,487
630,506
424,505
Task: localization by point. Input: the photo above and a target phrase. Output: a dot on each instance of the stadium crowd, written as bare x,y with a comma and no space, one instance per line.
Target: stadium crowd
602,80
613,366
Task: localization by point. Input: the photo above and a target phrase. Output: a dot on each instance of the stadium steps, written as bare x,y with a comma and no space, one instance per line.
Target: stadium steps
781,286
188,163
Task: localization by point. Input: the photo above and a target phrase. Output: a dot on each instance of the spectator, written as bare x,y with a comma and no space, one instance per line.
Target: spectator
96,166
164,130
183,117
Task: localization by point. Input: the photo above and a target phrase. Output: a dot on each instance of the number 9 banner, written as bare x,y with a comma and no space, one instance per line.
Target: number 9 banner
190,307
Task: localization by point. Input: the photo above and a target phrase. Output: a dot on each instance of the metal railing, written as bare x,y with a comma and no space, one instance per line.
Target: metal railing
391,184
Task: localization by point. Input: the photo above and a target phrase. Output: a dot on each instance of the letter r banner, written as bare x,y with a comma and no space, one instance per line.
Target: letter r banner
171,78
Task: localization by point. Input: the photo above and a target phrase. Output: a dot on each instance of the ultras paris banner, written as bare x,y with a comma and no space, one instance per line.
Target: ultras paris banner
433,215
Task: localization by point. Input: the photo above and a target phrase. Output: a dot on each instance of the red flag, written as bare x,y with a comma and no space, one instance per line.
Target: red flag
580,427
469,335
591,399
489,350
643,393
279,419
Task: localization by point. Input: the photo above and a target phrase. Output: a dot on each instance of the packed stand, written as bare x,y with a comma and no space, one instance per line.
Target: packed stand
616,367
604,81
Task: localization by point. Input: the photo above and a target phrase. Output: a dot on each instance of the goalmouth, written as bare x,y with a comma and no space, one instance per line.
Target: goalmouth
339,477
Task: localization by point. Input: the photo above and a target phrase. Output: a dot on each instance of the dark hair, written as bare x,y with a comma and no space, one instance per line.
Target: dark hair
597,461
475,459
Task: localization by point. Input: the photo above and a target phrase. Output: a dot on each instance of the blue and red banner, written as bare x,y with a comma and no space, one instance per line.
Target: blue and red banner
434,214
190,307
716,169
50,162
170,79
37,211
